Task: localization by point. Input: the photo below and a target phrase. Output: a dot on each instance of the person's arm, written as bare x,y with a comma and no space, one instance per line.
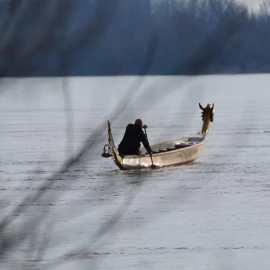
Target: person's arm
145,143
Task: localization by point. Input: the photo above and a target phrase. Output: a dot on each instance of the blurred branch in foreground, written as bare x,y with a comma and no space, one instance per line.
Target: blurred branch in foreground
29,226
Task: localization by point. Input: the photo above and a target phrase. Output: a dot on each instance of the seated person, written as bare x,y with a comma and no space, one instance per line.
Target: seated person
130,144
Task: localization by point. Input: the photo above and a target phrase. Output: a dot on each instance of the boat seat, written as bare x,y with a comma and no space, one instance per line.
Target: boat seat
195,139
183,144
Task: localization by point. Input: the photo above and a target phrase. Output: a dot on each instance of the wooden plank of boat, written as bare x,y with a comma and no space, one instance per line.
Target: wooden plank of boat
170,153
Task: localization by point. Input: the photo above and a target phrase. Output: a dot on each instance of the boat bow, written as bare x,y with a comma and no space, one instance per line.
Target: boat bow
207,117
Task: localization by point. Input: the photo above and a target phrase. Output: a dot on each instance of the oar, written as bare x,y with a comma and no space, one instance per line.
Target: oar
152,166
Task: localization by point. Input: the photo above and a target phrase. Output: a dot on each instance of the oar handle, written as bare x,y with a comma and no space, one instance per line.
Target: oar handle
146,134
152,166
148,142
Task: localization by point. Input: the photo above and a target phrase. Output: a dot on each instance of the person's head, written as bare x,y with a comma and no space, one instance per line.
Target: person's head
138,122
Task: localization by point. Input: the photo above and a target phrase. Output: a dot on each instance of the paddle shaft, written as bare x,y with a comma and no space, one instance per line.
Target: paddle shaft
150,152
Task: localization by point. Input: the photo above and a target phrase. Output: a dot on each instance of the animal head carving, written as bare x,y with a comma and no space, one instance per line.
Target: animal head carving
208,111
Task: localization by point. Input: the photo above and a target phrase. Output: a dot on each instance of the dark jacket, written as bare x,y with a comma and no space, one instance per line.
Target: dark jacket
130,143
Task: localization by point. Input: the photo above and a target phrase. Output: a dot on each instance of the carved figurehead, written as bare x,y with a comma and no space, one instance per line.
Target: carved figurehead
207,117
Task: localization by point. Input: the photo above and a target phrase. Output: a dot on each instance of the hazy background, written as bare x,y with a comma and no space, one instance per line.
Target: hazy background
252,4
93,38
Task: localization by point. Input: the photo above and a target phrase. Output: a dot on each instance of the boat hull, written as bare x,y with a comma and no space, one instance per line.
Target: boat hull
169,158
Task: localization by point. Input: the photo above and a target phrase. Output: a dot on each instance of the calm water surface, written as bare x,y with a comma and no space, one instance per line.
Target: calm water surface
213,214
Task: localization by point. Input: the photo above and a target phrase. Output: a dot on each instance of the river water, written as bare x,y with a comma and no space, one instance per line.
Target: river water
65,207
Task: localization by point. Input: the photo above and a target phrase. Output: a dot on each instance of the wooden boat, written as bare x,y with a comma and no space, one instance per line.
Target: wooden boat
170,153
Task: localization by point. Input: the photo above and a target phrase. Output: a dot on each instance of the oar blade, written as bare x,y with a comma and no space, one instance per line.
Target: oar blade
154,166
